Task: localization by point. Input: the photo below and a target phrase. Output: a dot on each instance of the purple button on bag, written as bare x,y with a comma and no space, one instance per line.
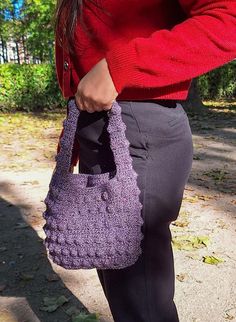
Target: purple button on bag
94,220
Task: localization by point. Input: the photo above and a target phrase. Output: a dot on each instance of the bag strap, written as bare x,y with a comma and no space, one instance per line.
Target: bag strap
116,129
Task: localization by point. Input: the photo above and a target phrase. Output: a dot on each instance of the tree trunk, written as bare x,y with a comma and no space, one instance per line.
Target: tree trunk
24,48
193,103
17,52
4,51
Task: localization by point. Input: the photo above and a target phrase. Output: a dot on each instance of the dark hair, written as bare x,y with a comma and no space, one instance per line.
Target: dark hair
65,19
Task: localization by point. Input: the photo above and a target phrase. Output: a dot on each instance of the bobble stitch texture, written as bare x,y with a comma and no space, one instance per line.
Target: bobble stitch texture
94,220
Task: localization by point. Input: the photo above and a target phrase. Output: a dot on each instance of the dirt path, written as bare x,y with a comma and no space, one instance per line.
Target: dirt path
205,227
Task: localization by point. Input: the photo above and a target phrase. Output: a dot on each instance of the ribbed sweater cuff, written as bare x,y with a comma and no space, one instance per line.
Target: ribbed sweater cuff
120,60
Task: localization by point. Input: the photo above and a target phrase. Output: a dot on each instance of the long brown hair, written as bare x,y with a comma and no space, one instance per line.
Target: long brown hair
65,19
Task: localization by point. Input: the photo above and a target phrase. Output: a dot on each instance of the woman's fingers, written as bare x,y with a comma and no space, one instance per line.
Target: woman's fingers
79,102
90,105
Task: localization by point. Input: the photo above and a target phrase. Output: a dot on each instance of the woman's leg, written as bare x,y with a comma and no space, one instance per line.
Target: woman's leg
161,148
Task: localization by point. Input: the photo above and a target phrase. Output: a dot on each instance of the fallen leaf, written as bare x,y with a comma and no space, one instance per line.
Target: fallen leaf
191,199
204,197
213,260
186,242
196,145
51,304
230,313
229,316
188,188
179,223
182,277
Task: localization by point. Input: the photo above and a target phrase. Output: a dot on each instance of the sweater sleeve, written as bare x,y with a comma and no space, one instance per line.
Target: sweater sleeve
204,41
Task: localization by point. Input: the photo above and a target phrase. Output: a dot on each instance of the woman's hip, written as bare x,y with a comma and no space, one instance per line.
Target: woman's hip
153,131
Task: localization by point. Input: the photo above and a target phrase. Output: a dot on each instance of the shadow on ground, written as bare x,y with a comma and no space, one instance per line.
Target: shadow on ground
214,138
26,275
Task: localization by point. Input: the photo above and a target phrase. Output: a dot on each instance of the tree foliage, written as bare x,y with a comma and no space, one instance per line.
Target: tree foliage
30,26
38,25
4,25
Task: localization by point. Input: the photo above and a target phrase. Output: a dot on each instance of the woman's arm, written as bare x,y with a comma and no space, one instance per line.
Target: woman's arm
204,41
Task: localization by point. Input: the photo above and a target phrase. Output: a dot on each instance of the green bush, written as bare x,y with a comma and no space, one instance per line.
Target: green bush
34,87
219,84
29,87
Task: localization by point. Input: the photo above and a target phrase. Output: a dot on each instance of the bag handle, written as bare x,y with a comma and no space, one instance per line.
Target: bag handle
116,129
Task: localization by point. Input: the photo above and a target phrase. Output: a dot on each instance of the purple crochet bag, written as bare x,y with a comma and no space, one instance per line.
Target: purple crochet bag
93,220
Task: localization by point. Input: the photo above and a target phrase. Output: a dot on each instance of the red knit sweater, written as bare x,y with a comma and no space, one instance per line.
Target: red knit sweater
153,48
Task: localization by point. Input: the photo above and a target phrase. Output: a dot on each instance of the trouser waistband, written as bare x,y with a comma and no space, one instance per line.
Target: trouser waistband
167,103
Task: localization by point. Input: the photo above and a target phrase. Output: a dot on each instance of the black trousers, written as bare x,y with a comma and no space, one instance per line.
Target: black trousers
162,151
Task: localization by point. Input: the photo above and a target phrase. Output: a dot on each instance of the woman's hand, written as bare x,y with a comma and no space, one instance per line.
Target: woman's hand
96,90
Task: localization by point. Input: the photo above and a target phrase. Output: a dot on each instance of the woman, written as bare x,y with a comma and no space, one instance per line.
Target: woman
142,54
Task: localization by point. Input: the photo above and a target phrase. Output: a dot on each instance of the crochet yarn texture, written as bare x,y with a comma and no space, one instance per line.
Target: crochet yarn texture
94,220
